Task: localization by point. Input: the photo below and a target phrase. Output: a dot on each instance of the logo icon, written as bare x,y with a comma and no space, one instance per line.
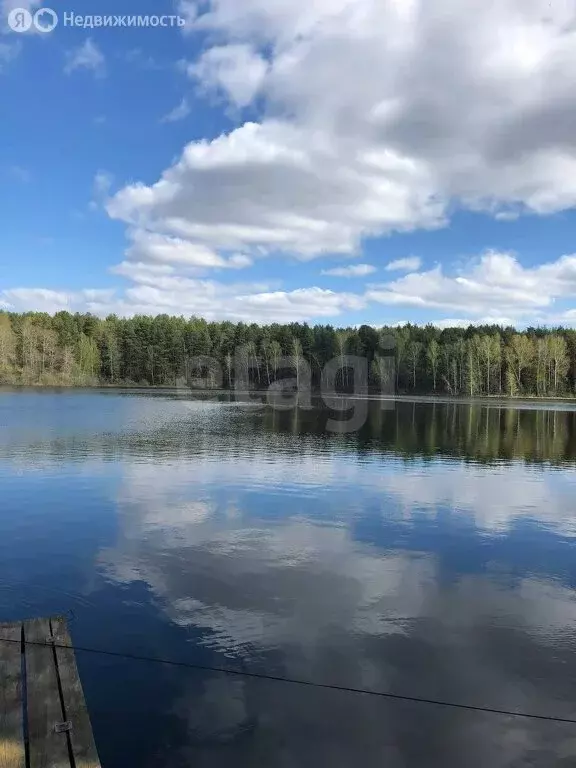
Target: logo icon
19,20
45,20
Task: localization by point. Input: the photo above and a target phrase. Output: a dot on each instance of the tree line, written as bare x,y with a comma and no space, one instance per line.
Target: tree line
82,350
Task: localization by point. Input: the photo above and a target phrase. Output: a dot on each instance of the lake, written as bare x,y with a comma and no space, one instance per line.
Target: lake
429,554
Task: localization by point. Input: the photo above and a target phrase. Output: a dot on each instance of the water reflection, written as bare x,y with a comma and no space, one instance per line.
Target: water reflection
432,554
110,426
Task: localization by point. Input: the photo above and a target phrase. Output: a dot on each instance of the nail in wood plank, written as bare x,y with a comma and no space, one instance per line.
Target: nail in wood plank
81,737
48,749
11,706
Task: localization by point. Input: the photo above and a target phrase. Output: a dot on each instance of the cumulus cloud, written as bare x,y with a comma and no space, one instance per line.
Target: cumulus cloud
45,300
373,118
158,288
187,10
148,246
87,56
266,187
376,117
237,71
353,270
496,288
409,264
165,274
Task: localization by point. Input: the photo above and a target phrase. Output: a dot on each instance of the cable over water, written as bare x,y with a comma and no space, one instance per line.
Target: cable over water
312,684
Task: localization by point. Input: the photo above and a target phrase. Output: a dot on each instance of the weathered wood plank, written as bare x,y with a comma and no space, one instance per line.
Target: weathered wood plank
12,754
81,736
48,749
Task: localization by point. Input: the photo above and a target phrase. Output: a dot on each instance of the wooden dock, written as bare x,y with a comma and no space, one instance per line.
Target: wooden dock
44,721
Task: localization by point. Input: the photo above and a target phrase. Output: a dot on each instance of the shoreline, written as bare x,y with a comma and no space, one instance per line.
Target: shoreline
372,396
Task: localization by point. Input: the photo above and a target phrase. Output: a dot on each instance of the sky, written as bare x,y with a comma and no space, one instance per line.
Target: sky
322,161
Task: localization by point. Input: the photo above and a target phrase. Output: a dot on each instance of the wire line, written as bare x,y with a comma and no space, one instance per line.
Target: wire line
307,683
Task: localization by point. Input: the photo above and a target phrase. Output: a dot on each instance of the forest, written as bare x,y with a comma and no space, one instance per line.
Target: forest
37,349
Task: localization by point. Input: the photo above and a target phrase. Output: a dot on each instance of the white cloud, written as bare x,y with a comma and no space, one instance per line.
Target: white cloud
240,260
87,56
167,274
353,270
286,22
188,11
140,271
25,295
409,264
45,300
157,288
303,303
507,216
464,105
152,247
179,112
236,70
494,288
273,187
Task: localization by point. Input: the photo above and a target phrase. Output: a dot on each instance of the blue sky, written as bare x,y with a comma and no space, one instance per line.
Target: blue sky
226,168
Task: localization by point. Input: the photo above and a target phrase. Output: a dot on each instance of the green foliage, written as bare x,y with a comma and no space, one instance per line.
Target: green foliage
82,350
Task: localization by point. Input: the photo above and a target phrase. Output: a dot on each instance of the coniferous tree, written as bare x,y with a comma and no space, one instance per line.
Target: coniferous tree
79,349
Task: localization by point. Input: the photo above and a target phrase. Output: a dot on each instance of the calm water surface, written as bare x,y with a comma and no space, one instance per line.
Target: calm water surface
431,554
